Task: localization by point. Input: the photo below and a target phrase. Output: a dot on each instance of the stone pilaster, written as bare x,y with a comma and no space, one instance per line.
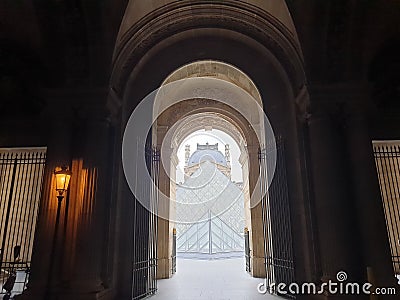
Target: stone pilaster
257,231
164,229
90,200
334,207
369,210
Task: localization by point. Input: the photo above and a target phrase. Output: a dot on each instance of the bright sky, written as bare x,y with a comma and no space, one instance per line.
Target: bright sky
212,137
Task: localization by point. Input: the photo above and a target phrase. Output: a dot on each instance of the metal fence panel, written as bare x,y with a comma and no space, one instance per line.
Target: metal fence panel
21,176
387,159
144,267
279,262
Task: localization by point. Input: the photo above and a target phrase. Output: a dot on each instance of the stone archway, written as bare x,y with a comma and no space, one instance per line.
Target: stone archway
273,61
189,110
251,168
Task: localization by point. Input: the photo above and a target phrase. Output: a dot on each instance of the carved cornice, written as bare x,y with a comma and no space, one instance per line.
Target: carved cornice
185,15
79,104
350,92
335,99
339,102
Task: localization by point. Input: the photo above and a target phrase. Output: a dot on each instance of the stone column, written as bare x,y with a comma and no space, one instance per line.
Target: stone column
257,230
90,214
369,209
164,230
334,205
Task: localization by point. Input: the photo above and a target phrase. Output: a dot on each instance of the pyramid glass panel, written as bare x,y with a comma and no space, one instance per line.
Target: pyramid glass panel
210,213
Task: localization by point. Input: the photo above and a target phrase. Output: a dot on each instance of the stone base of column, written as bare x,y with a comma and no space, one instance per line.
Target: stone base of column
67,295
28,295
107,294
258,267
164,268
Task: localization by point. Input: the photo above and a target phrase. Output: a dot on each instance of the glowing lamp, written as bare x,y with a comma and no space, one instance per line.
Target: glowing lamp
63,176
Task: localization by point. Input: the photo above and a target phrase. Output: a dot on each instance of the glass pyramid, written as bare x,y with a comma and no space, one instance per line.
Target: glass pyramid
210,213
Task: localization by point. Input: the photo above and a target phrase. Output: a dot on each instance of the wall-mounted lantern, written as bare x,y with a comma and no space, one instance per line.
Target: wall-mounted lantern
63,177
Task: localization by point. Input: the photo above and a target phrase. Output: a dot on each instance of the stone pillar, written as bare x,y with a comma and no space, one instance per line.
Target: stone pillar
88,217
369,209
334,205
164,230
257,229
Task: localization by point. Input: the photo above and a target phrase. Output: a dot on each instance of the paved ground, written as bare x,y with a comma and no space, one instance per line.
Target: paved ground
216,279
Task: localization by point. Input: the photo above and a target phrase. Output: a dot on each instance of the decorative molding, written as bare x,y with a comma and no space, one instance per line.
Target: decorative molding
302,102
339,102
185,15
200,121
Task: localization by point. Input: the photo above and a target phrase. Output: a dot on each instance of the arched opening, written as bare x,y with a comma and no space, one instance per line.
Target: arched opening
228,99
212,146
235,109
280,95
210,213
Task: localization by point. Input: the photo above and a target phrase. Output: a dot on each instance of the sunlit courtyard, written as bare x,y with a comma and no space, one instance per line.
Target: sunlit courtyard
210,279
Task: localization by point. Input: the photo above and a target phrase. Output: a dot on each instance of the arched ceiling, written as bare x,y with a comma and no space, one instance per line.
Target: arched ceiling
137,9
231,86
206,121
219,70
337,37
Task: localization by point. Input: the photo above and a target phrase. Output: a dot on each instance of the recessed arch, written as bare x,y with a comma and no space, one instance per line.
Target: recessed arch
216,69
204,83
275,67
186,20
207,121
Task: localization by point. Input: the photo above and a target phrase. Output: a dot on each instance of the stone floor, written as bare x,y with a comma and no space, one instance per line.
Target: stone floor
210,279
19,285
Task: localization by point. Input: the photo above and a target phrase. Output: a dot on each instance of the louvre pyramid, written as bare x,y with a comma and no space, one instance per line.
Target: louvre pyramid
210,213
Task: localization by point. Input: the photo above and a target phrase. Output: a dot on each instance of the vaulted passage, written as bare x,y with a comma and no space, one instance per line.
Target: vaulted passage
103,196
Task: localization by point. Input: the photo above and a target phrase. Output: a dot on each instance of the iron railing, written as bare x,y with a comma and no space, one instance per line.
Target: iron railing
21,175
279,262
387,159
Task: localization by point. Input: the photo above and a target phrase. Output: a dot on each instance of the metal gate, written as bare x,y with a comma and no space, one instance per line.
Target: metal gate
173,258
145,230
387,159
247,249
21,176
279,264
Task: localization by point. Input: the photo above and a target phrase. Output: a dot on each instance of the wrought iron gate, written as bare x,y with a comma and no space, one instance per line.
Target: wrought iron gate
387,159
145,230
247,249
279,264
173,258
21,175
